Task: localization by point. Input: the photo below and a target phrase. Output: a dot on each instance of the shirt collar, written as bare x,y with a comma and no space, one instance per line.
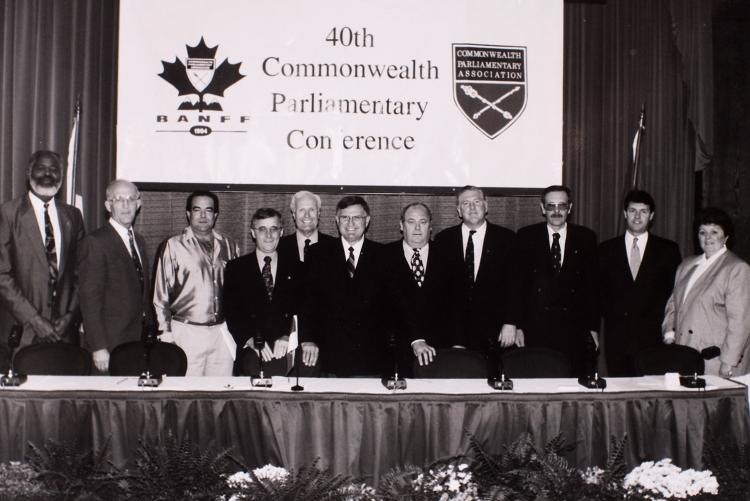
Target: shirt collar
357,245
38,203
562,231
479,231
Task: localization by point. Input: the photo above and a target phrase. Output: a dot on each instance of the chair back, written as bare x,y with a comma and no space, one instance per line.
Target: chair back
453,363
535,362
52,359
250,366
129,359
659,360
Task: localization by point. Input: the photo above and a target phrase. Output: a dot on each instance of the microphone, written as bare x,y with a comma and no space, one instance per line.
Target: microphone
261,381
592,381
297,354
14,340
698,382
393,382
496,378
149,339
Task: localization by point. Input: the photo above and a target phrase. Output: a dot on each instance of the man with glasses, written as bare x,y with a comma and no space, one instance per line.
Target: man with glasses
557,266
113,270
479,258
261,292
344,308
188,289
39,239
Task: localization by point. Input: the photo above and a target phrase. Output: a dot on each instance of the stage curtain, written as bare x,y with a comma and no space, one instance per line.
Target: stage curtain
52,53
619,55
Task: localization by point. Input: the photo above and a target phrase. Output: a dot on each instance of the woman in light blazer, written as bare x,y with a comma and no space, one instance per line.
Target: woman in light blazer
710,303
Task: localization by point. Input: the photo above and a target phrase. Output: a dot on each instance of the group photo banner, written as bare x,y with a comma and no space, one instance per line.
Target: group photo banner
341,93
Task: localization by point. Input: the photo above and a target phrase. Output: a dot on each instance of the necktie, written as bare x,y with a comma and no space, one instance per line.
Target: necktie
306,249
469,258
556,253
635,258
49,248
350,267
268,277
417,268
136,259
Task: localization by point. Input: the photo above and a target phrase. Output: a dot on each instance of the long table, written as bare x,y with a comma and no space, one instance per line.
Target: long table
357,427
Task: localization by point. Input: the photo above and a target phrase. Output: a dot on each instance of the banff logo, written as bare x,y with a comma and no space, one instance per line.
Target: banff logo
200,78
489,85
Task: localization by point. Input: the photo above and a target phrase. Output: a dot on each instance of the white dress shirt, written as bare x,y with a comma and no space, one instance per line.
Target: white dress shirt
260,256
301,243
357,249
563,237
478,239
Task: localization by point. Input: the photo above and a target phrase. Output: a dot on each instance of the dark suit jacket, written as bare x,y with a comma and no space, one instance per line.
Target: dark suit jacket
633,310
415,312
559,310
288,244
345,316
478,311
24,275
246,306
113,306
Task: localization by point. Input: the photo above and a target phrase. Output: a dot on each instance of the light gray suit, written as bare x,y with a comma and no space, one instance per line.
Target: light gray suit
716,311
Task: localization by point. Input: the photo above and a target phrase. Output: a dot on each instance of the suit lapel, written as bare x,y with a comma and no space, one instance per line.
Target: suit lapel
622,261
32,230
705,281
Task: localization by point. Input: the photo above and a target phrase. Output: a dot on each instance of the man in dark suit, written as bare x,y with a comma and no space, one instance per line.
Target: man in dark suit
416,289
39,239
557,283
636,276
305,208
479,257
344,308
261,292
114,277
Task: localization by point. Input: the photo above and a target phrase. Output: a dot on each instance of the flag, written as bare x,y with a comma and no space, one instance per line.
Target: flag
637,147
72,196
292,346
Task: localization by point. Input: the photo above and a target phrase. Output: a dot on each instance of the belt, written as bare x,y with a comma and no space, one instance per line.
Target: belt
200,324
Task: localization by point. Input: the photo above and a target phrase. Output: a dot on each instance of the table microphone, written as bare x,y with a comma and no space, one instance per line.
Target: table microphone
592,381
261,381
148,339
698,382
14,340
393,382
496,378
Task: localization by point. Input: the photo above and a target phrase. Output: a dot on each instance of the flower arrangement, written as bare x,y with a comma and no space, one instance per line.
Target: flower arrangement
663,480
451,482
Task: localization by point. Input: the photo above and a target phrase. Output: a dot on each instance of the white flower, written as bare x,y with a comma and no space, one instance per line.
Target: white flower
272,473
669,481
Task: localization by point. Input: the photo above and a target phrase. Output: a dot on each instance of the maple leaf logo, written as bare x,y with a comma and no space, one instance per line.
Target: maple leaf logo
201,77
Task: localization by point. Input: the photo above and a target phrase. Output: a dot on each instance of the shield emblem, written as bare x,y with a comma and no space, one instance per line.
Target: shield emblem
200,72
489,85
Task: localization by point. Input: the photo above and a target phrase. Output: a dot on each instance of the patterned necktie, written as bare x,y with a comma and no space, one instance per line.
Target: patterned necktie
556,253
469,258
136,259
49,248
417,268
350,263
306,249
635,258
268,277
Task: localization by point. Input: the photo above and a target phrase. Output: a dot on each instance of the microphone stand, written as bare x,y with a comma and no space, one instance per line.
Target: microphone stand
592,381
495,381
694,381
149,340
14,340
297,361
393,382
261,381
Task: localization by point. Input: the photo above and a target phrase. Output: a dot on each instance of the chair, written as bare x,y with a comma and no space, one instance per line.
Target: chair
453,363
250,366
129,359
3,359
535,362
661,359
52,359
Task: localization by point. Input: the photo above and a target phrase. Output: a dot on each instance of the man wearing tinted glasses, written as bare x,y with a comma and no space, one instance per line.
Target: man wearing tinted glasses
557,282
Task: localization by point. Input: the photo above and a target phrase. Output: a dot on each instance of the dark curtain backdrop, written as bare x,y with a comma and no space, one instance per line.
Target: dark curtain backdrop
54,52
619,54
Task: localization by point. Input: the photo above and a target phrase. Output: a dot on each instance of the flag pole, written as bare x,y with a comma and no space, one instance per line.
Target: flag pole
72,174
637,146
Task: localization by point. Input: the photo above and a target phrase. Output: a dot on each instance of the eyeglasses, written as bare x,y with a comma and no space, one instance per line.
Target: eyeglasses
556,207
357,220
263,230
207,210
124,200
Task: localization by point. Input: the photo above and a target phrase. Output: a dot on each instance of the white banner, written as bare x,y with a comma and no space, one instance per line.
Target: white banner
412,93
